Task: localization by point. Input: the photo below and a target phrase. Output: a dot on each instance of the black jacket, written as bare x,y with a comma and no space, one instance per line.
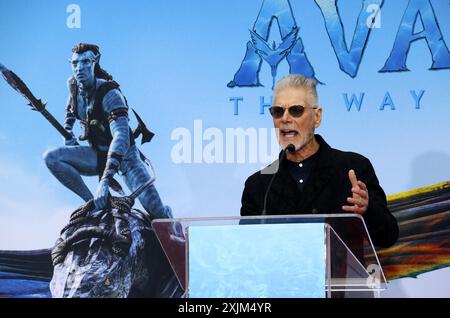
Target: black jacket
326,191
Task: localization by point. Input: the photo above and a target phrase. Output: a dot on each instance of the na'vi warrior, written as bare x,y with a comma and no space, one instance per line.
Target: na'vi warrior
97,102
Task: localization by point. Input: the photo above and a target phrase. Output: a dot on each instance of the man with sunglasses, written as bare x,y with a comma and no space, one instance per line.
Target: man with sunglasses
313,177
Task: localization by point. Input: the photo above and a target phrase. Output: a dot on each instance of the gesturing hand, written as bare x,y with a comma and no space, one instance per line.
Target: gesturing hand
360,196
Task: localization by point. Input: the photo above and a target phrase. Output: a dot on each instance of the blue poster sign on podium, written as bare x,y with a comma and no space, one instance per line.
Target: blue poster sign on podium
246,261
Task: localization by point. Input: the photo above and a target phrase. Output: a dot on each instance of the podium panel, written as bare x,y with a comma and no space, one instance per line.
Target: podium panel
300,256
256,261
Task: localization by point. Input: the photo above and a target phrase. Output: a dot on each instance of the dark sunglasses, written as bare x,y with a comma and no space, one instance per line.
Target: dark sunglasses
294,110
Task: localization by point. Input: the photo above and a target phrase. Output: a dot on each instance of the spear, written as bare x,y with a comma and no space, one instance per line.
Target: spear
36,104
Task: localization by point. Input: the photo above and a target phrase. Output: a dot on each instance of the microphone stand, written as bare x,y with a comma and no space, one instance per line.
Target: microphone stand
290,148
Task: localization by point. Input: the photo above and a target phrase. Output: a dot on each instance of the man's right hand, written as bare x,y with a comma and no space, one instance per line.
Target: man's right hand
72,141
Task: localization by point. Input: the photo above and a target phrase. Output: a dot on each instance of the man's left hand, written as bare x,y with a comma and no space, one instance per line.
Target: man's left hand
101,197
360,196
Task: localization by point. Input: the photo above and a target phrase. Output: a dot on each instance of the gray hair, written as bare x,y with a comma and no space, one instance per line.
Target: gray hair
298,81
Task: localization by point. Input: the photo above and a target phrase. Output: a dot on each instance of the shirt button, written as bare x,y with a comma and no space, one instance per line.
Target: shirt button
301,180
300,165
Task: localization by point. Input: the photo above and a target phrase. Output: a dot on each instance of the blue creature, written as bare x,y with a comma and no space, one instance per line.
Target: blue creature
97,102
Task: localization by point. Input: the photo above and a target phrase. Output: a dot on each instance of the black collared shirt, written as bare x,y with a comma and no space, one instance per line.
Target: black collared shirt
301,170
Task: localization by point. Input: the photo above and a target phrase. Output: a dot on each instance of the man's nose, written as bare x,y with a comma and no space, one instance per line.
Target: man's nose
286,116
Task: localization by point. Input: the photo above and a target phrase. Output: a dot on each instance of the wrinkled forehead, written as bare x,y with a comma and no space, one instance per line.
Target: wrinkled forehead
83,56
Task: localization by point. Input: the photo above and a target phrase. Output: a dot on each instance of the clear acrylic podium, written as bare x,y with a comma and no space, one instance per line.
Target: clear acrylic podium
328,255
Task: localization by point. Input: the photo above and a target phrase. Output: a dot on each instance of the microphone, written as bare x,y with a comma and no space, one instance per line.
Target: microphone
290,148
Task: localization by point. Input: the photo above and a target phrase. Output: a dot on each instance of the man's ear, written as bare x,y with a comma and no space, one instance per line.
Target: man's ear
317,117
